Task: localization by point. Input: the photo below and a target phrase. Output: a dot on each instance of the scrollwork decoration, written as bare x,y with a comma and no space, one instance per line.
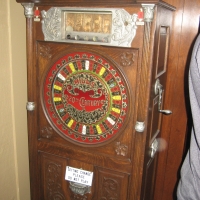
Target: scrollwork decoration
125,27
110,189
51,24
54,182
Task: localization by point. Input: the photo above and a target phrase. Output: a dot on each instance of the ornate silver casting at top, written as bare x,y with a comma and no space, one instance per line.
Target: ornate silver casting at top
30,106
124,26
28,9
139,126
148,12
51,24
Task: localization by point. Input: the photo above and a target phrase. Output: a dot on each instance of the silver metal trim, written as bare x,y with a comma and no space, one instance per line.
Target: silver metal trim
124,26
153,148
157,86
28,9
139,126
158,90
148,12
80,189
30,106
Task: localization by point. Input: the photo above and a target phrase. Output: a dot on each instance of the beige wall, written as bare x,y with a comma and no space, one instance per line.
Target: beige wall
14,175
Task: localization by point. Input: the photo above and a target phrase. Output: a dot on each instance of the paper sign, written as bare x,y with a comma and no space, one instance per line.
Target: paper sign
78,176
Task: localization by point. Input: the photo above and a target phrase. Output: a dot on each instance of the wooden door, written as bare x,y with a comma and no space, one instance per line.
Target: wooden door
96,109
176,128
154,142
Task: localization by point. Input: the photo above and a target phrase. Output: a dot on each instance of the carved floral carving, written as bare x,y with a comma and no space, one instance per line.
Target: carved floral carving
47,132
121,149
45,51
127,58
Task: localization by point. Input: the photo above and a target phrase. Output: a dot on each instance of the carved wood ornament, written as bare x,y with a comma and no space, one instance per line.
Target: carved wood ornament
54,178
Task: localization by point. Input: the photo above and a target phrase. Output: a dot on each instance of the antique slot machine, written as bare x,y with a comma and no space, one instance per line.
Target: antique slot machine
96,79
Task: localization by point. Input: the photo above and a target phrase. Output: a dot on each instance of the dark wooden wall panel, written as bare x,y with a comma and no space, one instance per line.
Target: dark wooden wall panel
174,129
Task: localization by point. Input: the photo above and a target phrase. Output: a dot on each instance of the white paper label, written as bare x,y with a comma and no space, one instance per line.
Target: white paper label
78,176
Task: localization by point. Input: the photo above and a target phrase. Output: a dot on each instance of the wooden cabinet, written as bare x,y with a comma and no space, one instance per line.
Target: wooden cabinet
96,78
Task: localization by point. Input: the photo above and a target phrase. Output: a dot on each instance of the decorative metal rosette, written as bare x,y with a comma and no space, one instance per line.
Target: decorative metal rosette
85,98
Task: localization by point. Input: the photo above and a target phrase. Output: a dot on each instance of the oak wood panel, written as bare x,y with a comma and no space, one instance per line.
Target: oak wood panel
174,129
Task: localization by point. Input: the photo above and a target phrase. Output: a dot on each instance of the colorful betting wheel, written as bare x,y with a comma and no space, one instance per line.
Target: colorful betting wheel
85,98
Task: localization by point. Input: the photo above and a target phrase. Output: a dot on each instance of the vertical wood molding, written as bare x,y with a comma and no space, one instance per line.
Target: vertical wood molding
145,74
31,97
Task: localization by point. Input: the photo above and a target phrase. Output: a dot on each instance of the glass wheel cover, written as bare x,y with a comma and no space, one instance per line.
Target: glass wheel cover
85,97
